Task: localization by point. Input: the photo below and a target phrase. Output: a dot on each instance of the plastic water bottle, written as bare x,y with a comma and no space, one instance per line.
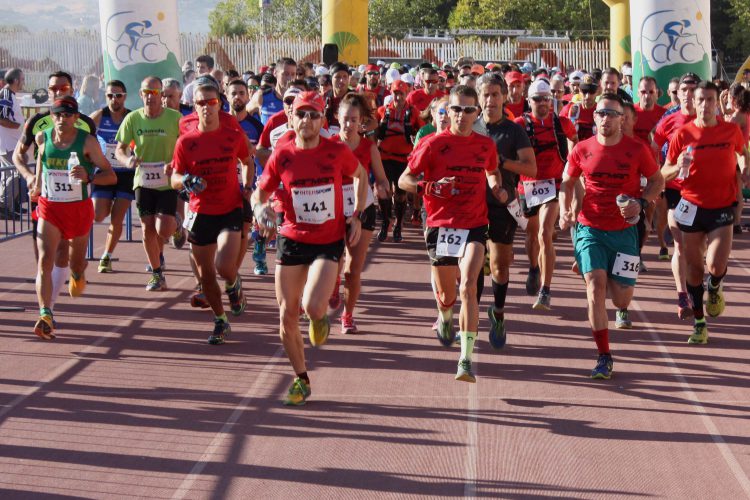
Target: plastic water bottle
688,155
623,201
72,162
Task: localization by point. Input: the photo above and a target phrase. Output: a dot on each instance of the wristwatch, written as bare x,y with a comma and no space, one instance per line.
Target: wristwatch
357,215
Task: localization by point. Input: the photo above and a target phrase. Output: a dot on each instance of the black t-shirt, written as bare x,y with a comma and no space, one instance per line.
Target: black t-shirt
509,137
43,121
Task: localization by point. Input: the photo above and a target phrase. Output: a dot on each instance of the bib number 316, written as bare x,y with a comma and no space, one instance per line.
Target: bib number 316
626,266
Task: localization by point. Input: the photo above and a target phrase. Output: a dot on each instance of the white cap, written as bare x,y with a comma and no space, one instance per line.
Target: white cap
392,75
408,78
576,76
292,92
627,71
540,87
321,70
361,68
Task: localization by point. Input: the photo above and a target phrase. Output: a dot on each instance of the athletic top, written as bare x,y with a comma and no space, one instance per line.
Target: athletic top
583,119
419,99
272,104
647,120
269,126
509,137
665,129
107,132
607,172
312,198
712,180
519,108
57,187
395,146
188,123
380,93
548,162
212,156
467,159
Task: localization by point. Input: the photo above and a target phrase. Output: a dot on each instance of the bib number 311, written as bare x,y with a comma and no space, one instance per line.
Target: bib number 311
451,242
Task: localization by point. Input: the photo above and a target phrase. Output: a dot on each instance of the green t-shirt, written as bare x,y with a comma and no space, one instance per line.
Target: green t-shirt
154,140
426,130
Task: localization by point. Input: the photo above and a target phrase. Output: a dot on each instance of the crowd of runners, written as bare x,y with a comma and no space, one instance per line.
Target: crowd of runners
312,160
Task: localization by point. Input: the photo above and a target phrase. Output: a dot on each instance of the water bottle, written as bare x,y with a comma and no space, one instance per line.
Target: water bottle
688,155
623,201
72,162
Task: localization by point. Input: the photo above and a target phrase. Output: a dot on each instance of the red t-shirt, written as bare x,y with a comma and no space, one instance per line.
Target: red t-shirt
312,200
276,120
419,99
647,120
515,109
584,122
609,171
362,152
665,129
212,156
395,145
712,181
548,162
467,159
188,123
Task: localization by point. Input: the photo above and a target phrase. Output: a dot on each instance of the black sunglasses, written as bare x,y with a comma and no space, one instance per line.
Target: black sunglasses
464,109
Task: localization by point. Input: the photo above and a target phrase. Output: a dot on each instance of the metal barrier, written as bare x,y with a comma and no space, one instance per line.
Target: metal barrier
15,209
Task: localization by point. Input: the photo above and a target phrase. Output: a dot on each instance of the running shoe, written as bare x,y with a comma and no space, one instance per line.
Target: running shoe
259,250
533,282
604,367
543,301
199,299
44,328
347,324
684,308
397,238
416,220
318,331
383,233
178,237
465,373
435,324
663,253
161,264
642,268
298,393
105,264
445,333
497,330
700,333
237,300
334,301
157,283
260,269
715,302
221,330
622,320
76,286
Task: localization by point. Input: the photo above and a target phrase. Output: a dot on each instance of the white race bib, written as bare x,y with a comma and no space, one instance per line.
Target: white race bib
58,187
684,212
109,152
451,242
538,192
151,175
348,190
314,205
189,220
517,212
239,173
626,266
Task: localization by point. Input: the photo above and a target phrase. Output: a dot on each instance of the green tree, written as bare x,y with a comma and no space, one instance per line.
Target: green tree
397,17
282,17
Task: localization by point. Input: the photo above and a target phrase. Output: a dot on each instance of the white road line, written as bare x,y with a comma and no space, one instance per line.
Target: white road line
724,448
209,454
472,439
72,362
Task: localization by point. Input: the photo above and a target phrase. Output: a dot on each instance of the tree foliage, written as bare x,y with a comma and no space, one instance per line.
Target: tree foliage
397,17
282,17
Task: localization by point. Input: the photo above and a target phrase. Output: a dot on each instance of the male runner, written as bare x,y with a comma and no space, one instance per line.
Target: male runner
582,113
372,84
311,237
269,101
705,212
606,245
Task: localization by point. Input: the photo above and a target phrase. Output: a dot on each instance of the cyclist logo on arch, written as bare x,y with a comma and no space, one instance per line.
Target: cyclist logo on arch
670,38
131,41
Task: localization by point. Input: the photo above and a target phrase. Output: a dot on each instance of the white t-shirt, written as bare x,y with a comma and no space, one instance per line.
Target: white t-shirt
10,109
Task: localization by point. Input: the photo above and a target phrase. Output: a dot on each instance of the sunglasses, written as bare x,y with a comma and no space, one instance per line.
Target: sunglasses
59,88
674,92
289,101
372,73
541,98
313,115
431,81
151,91
63,114
207,102
464,109
116,95
442,111
253,87
607,112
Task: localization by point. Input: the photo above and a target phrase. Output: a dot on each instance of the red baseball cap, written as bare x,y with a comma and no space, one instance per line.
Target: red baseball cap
399,86
372,67
513,76
478,69
309,99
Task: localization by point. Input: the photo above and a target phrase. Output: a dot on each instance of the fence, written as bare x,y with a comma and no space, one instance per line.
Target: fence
15,210
80,51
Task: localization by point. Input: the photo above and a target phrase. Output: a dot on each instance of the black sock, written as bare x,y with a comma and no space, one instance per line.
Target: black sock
696,295
157,270
715,281
480,286
545,289
499,292
400,210
386,205
304,377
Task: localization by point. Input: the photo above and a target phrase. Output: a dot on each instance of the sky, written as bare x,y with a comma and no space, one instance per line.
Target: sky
39,15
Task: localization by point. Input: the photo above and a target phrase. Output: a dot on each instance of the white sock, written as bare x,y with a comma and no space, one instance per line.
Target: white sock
467,344
59,275
106,254
446,314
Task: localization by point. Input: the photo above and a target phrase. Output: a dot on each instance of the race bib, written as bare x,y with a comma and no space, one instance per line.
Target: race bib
109,152
538,192
314,205
626,266
517,212
349,199
239,173
189,220
151,175
451,242
58,187
684,212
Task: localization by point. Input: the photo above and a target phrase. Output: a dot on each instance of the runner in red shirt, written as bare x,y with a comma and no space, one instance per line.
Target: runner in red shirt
455,164
582,113
516,104
420,98
551,137
648,112
372,84
606,242
311,237
205,164
705,152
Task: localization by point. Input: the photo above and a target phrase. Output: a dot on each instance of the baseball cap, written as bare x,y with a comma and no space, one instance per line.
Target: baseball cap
321,70
576,76
267,79
407,78
691,78
292,92
372,67
336,67
540,86
392,75
478,69
425,65
395,65
399,86
465,62
206,81
65,104
309,99
589,86
380,62
361,68
513,76
627,71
